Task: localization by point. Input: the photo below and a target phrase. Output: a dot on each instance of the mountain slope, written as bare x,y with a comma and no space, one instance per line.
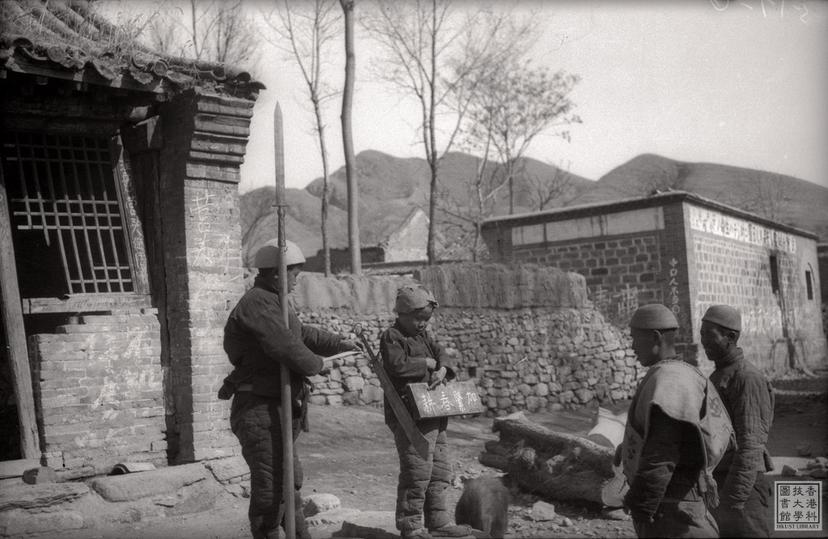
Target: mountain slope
389,188
778,197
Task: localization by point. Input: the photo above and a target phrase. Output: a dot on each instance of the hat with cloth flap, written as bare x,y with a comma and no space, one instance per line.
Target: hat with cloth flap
411,298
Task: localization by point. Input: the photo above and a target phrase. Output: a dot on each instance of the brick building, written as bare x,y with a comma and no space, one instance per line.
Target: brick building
119,241
687,252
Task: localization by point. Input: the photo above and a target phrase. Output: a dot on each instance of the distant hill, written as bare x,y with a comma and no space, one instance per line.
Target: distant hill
389,188
778,197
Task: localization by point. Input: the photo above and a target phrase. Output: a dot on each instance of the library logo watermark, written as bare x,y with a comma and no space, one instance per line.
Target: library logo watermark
797,505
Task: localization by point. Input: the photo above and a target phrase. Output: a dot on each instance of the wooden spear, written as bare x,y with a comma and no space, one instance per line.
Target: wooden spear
286,410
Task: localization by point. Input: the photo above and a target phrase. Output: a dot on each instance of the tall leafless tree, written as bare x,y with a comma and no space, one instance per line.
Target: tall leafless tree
544,188
305,31
429,52
511,106
348,137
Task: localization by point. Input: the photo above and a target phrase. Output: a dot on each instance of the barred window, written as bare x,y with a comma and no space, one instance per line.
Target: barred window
66,212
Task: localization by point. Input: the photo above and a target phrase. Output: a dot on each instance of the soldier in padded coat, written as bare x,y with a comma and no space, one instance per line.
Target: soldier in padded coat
258,343
744,493
677,431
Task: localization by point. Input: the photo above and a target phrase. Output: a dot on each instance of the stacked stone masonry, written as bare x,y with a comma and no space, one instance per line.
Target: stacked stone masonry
547,348
99,393
528,359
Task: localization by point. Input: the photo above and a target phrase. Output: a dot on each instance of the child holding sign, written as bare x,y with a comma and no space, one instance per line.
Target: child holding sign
410,355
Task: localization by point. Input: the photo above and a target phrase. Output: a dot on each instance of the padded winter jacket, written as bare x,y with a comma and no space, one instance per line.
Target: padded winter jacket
257,343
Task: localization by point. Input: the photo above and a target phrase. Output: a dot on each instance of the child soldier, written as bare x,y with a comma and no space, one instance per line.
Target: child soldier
409,355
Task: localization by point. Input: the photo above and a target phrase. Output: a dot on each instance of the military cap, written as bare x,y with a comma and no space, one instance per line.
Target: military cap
725,316
653,316
410,298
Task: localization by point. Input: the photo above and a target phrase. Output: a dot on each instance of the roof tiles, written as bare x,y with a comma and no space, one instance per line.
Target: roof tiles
68,39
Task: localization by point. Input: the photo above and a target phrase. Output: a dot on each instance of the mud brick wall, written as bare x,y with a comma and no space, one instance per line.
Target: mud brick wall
629,257
522,357
621,272
736,270
204,144
98,393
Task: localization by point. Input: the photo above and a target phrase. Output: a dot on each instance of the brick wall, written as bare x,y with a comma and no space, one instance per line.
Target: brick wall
204,144
628,258
98,393
775,326
621,272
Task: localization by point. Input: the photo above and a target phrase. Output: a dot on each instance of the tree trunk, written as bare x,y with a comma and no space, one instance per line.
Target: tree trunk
556,465
348,140
431,147
320,130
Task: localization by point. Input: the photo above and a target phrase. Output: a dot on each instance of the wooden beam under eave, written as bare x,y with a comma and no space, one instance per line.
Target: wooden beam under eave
11,313
16,64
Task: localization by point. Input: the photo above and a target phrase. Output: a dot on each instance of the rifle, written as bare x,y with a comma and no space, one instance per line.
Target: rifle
397,405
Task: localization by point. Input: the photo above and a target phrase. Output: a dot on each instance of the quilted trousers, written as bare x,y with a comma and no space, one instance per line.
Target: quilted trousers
256,423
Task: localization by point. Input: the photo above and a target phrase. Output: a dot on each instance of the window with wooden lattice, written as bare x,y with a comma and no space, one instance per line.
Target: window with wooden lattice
66,214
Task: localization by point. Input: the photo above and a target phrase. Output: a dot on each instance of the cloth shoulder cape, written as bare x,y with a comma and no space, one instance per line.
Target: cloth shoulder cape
684,394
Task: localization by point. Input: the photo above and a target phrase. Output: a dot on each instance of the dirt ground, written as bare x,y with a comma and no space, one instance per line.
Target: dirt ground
349,453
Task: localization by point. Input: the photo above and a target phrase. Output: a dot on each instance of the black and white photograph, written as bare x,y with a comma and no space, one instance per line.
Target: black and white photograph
413,269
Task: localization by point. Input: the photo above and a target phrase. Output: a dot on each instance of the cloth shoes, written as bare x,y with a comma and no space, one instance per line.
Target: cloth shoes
419,533
451,530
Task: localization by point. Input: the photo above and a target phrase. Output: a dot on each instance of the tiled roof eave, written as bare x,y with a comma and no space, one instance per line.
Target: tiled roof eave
88,74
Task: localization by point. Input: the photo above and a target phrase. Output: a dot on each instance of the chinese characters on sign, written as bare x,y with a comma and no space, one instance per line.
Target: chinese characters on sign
797,505
673,290
445,400
716,223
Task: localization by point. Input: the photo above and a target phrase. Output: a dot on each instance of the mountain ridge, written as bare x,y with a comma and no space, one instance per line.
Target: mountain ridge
390,187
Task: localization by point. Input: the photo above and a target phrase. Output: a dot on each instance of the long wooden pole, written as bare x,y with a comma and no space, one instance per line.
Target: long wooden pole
287,402
11,314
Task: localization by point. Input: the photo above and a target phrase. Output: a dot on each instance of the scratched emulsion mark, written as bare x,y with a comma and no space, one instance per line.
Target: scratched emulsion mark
768,8
207,249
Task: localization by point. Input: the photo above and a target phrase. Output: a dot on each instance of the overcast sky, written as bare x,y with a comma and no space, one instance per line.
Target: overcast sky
742,83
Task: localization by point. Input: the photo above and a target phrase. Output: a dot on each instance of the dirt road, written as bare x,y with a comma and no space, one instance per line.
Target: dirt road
349,453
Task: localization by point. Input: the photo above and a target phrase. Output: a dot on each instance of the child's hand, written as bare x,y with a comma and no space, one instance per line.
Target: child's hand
431,363
437,377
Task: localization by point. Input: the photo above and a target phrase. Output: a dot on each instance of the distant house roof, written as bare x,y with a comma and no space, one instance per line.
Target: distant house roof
69,40
660,199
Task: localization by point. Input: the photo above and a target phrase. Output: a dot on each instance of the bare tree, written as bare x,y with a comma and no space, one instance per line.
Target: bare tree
434,56
307,30
348,138
769,198
511,106
482,190
544,188
208,30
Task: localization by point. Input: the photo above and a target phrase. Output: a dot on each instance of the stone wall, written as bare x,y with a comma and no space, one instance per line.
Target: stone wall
99,393
548,349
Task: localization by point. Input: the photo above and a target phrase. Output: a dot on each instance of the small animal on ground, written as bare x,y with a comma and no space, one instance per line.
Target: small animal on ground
484,505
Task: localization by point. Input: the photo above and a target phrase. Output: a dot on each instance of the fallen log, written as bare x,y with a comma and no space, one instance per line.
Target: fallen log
555,465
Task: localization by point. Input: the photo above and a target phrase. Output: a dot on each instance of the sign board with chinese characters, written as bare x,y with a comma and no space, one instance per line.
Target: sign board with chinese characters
445,400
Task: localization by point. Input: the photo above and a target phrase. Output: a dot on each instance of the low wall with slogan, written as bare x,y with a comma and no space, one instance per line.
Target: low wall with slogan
527,337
